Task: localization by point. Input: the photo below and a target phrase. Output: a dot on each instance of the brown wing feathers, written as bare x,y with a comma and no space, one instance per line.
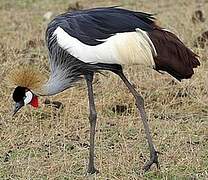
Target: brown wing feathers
172,55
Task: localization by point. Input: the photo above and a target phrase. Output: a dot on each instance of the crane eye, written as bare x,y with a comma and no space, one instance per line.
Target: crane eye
28,97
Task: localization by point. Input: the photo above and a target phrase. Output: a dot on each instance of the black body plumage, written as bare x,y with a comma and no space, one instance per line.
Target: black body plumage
90,26
93,26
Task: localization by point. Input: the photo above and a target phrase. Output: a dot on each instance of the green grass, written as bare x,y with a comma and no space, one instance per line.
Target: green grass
53,144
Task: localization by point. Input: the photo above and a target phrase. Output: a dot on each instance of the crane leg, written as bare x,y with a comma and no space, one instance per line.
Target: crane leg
92,119
140,106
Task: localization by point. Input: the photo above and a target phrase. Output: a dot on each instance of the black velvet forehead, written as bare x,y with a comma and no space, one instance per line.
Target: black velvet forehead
19,93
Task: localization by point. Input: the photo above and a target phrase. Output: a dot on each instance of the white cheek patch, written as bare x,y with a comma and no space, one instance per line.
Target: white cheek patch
28,98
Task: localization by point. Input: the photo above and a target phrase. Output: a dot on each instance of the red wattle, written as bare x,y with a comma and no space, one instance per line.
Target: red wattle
34,102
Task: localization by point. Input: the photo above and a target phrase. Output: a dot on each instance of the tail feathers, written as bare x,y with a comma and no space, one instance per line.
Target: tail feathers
172,55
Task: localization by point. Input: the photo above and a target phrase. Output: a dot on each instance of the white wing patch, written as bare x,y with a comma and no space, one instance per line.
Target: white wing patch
121,48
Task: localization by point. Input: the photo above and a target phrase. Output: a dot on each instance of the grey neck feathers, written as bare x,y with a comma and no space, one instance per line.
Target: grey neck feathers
65,70
58,82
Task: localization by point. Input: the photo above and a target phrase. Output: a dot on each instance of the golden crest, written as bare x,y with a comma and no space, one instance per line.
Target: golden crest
26,76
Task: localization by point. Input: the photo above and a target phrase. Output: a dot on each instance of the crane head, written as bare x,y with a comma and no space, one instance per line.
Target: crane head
28,82
23,96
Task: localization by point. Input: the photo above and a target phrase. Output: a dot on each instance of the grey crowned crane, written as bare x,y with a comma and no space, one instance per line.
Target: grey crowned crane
84,42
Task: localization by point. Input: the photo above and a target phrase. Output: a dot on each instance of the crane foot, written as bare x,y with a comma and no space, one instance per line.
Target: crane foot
153,159
92,170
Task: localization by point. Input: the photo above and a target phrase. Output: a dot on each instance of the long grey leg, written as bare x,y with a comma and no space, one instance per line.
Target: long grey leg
92,119
140,106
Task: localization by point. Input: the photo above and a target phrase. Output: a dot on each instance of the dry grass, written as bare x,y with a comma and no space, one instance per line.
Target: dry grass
53,144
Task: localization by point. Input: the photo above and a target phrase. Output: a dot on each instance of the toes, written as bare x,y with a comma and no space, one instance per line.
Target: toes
92,171
153,159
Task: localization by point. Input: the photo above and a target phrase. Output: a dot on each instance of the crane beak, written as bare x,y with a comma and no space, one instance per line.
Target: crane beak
18,106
